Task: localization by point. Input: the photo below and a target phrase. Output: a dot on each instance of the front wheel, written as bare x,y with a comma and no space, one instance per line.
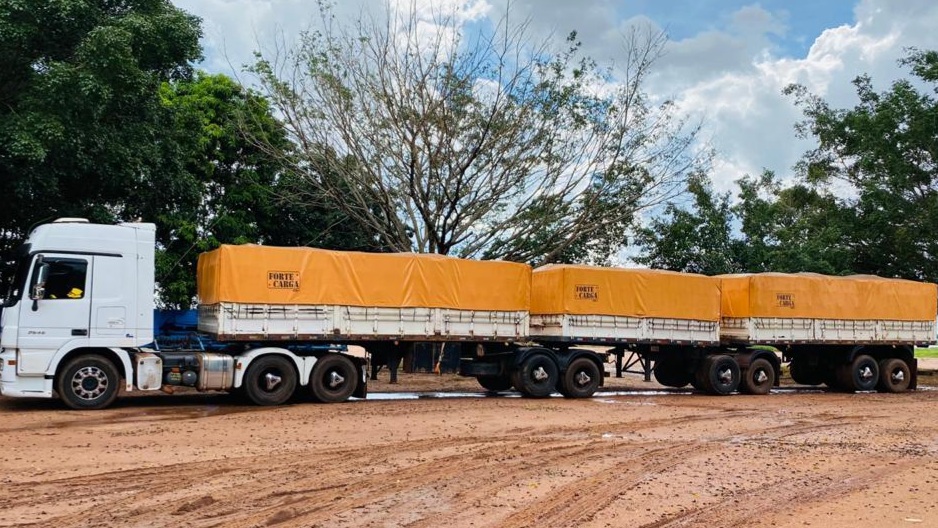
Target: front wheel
88,382
581,379
536,376
270,380
333,379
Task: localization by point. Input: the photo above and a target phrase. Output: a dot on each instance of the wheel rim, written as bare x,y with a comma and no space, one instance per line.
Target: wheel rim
725,376
865,373
89,383
334,380
272,380
897,375
539,374
582,378
760,377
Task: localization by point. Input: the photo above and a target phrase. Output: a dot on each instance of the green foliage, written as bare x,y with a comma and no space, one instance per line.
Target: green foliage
230,184
697,240
769,228
82,128
885,151
867,200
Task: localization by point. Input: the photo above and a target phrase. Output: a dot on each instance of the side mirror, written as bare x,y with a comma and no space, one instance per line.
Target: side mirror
40,275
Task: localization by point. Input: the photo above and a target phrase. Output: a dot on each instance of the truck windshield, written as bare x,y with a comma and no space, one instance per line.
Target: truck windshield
14,290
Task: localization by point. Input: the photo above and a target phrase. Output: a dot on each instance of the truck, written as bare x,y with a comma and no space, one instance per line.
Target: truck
77,322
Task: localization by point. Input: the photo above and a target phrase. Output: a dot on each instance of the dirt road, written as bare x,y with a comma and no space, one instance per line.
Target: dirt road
643,458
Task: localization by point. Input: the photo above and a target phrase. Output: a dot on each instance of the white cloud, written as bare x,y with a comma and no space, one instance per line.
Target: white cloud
750,121
731,73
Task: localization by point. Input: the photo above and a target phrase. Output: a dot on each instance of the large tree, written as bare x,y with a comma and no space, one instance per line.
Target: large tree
697,239
221,187
82,125
883,156
482,144
769,227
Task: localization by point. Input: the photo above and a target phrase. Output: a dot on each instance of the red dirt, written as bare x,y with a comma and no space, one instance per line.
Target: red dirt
643,458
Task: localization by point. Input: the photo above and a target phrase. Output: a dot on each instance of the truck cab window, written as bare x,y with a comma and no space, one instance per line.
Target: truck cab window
66,278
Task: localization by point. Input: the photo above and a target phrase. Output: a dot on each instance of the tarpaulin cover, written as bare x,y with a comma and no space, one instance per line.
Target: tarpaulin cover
813,296
280,275
586,290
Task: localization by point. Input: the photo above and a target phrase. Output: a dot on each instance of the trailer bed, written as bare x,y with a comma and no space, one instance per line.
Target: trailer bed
274,322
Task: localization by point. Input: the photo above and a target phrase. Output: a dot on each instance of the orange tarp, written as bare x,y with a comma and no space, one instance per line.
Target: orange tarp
813,296
585,290
279,275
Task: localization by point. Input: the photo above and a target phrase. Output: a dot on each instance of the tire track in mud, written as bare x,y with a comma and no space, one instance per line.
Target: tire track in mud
581,500
131,494
433,481
758,507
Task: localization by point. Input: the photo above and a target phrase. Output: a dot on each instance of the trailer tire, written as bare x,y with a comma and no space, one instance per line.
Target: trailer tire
581,379
671,374
802,374
269,380
536,376
720,375
88,382
758,377
495,383
894,376
861,374
333,379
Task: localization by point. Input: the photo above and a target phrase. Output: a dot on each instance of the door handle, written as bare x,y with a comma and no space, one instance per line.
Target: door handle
79,331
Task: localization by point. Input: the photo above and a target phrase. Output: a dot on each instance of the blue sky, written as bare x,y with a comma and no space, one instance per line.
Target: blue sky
726,62
805,20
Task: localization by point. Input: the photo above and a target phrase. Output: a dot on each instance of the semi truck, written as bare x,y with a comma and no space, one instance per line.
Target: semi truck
77,322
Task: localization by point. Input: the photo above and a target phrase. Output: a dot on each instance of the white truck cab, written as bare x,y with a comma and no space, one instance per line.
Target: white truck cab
80,289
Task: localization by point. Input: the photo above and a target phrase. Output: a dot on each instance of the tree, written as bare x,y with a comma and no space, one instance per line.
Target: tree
770,227
224,188
695,241
81,122
883,154
791,228
483,145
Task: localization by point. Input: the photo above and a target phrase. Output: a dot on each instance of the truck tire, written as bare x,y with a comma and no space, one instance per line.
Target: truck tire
581,379
269,380
802,374
861,374
719,375
495,383
88,382
672,374
758,378
333,379
536,376
894,375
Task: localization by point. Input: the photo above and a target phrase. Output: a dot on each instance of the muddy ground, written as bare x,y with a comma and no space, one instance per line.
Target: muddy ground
639,456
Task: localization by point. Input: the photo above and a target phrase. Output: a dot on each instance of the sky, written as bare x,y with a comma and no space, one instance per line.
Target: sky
726,61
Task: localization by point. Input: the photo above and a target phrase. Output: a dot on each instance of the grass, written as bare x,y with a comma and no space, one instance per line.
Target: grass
926,352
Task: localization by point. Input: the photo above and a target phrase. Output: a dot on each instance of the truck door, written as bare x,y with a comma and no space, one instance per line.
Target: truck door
62,314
